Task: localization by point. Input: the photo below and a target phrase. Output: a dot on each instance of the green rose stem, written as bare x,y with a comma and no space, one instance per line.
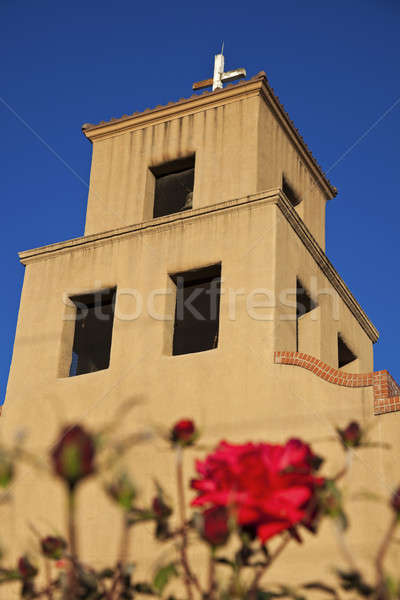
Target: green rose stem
189,577
123,557
211,575
347,466
380,557
115,590
260,572
72,539
47,566
124,547
72,522
342,543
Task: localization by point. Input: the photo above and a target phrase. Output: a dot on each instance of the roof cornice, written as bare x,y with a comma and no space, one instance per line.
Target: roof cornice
184,106
257,86
274,196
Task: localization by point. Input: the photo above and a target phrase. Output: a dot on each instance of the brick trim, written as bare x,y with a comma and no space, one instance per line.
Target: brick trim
386,390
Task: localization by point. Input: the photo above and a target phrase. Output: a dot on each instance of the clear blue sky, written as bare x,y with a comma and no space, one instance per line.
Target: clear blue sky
334,65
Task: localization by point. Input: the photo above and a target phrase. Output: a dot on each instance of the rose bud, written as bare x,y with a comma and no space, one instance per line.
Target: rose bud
215,526
395,501
184,433
162,531
351,436
312,518
26,569
6,470
73,455
160,508
53,547
122,491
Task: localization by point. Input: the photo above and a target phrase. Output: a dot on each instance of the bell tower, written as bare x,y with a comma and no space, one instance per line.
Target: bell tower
202,287
238,140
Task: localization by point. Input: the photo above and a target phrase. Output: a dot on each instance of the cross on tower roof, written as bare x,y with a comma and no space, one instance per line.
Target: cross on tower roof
220,77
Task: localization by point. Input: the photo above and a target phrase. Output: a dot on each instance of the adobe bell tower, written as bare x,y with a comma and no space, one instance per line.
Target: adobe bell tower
202,287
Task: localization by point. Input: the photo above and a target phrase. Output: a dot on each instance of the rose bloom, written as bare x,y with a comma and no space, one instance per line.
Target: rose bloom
267,487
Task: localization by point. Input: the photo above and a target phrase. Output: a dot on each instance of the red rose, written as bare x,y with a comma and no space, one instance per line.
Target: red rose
73,455
267,487
215,525
184,432
351,436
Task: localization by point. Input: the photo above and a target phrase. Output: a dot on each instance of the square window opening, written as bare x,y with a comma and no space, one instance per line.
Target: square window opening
304,305
290,193
345,355
196,325
93,332
174,184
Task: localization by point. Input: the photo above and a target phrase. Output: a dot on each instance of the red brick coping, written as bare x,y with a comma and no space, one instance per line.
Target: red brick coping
386,390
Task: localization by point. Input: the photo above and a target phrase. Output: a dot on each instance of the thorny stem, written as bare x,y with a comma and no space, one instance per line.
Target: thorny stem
347,466
48,579
123,557
124,548
211,576
261,571
189,576
344,547
383,550
71,525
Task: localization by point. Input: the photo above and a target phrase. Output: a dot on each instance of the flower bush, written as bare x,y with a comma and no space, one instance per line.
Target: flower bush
251,501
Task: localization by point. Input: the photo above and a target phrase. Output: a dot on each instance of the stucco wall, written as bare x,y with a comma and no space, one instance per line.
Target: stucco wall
278,156
293,260
234,392
223,138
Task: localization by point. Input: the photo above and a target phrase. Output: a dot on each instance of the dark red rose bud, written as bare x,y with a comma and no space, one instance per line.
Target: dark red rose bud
315,462
6,470
351,436
53,547
73,455
215,527
312,518
160,508
395,501
123,491
184,433
26,569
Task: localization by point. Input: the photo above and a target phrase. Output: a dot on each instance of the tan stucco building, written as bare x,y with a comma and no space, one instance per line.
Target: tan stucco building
289,351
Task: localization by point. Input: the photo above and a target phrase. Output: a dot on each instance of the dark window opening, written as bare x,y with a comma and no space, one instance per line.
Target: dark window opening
345,355
174,186
304,304
289,192
197,310
93,332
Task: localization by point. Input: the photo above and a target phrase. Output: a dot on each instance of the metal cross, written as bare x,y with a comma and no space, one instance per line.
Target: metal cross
220,77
